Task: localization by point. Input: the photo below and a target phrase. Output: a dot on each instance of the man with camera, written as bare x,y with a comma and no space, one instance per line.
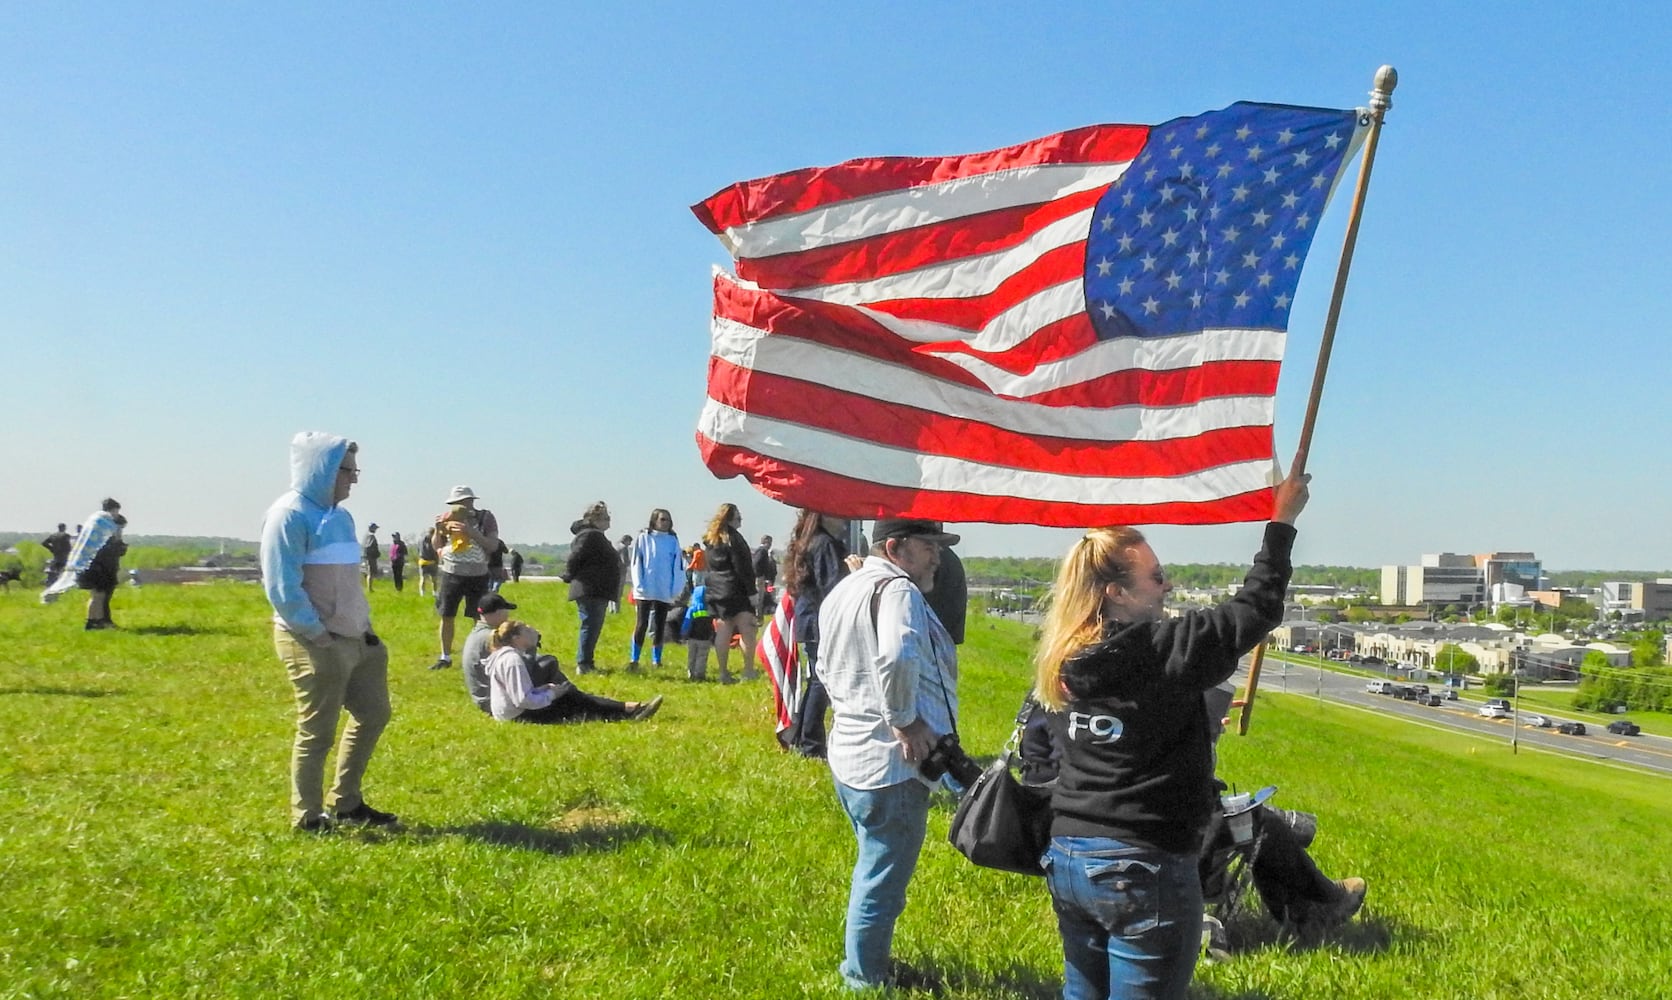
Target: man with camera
891,671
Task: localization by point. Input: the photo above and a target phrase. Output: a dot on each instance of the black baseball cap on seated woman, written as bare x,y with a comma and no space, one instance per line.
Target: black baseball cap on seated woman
910,527
493,602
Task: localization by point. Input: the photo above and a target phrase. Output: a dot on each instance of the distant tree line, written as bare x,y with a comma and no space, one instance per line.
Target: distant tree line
1018,573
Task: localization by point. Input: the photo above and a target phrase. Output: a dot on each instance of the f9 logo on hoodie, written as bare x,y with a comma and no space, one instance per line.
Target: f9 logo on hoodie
1106,728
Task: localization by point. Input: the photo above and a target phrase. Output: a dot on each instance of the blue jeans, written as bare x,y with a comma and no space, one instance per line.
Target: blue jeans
592,610
889,824
1130,918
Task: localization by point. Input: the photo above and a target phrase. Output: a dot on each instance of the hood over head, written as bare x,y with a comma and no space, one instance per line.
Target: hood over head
314,458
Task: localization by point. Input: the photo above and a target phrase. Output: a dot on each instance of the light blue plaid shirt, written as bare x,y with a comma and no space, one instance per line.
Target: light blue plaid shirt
882,678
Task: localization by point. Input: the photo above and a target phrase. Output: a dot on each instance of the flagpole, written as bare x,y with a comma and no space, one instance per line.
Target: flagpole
1381,99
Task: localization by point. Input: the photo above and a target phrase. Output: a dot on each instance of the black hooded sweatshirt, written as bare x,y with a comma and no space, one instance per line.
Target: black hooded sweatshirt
1137,763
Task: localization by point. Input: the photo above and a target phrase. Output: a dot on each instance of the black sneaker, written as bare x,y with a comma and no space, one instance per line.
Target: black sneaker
315,823
647,709
442,664
364,815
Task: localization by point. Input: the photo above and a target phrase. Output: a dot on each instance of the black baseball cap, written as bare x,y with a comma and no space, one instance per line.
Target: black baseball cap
493,602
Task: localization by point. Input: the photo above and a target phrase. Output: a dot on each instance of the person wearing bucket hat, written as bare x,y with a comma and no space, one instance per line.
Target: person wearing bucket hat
463,535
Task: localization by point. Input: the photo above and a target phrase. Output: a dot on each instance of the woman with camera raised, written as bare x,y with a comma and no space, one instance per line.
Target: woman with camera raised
1123,685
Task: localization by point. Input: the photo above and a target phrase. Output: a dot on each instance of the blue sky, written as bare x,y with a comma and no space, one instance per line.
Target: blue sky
460,234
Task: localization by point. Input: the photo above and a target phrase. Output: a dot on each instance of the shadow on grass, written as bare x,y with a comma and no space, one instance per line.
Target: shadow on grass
62,692
933,979
178,630
1365,935
548,840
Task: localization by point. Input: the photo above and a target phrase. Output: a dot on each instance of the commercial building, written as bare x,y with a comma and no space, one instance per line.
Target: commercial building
1638,600
1465,580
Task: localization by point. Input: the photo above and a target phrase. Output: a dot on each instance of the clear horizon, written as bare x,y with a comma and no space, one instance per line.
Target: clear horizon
462,237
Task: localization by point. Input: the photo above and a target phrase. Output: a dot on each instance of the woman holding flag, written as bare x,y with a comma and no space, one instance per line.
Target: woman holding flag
1122,685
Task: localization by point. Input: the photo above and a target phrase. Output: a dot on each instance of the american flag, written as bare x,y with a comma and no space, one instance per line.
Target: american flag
781,660
1083,329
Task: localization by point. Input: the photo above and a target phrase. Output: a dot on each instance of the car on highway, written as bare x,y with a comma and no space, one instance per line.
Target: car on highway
1571,729
1497,708
1624,727
1431,700
1379,687
1540,721
1448,694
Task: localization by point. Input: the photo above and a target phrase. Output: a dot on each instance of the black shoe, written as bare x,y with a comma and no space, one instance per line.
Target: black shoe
364,815
442,664
647,709
315,823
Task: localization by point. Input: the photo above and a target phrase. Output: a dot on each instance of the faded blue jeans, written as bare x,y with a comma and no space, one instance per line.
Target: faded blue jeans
592,611
1130,918
889,824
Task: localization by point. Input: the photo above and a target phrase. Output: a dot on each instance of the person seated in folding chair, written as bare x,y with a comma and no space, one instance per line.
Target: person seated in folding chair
1271,851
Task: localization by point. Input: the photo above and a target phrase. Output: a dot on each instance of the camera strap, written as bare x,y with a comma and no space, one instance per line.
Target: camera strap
876,630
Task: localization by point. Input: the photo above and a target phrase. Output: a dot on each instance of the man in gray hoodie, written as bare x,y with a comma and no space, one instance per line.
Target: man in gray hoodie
322,629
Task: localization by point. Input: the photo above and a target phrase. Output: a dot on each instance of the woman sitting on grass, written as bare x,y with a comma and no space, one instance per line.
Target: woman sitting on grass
523,688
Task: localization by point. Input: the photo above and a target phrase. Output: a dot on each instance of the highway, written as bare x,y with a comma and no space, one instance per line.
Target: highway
1651,752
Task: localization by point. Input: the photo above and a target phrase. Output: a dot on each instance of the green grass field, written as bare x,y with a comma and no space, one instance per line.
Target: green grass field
145,848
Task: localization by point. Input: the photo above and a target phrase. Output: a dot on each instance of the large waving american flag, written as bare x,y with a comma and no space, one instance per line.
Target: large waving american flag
1083,329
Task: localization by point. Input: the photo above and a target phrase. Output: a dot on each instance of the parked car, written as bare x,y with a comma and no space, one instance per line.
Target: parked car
1571,729
1624,727
1540,721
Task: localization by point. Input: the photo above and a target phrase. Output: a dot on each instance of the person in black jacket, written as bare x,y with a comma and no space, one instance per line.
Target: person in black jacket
1123,685
817,559
593,574
731,588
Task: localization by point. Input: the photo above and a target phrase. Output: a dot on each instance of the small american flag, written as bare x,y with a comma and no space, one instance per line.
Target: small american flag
782,662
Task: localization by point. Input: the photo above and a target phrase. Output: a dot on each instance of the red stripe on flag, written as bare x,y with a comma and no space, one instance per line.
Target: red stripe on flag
910,249
832,325
843,496
892,425
973,312
810,187
1054,341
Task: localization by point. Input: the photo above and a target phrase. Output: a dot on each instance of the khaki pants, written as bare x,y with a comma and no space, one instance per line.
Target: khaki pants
341,673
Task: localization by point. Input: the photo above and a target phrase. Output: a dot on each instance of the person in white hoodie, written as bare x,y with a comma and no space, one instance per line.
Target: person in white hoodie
657,565
322,629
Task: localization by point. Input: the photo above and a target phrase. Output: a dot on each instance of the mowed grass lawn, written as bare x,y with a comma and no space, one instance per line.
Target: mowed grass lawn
145,848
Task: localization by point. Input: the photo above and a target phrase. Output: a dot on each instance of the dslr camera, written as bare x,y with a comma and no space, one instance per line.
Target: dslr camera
948,757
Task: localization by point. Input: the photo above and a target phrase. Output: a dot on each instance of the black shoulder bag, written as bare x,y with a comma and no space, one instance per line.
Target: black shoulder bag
1001,823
